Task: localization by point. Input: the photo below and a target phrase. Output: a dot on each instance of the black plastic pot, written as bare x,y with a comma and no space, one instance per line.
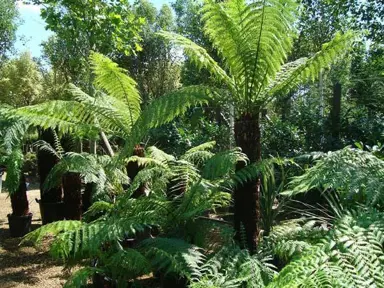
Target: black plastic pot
19,225
51,212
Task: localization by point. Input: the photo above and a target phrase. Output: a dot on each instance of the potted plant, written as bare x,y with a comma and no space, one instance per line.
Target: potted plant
51,202
20,219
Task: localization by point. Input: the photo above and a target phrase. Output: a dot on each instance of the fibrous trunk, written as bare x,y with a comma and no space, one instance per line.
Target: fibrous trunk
247,197
46,161
72,195
19,200
133,169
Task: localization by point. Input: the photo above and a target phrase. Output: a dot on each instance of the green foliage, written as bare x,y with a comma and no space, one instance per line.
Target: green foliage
20,81
354,173
8,24
351,255
232,267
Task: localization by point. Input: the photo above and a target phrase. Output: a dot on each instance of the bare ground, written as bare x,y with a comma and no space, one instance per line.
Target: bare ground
22,267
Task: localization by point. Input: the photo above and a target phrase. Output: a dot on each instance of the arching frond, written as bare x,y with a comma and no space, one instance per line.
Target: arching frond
354,173
199,56
303,69
254,39
163,110
350,256
115,81
159,155
222,163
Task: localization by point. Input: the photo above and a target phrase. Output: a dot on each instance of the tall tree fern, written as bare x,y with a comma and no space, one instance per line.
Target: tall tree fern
254,39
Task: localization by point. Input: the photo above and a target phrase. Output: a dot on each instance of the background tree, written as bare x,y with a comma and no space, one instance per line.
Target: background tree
8,26
20,81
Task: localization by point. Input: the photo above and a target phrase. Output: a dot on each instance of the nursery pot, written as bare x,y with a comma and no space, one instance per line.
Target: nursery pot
51,212
19,225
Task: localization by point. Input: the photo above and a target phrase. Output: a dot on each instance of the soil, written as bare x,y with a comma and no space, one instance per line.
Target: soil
22,267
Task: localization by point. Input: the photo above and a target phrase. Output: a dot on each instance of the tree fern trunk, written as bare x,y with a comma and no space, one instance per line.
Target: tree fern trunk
72,196
247,197
45,162
133,168
19,200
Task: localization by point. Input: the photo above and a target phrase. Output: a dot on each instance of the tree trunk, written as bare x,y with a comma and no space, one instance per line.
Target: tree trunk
335,115
133,169
72,196
247,197
19,200
45,162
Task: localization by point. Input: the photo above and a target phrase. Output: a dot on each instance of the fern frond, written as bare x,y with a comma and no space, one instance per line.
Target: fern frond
351,255
173,255
159,155
80,278
164,110
303,70
52,229
199,56
350,171
222,163
116,82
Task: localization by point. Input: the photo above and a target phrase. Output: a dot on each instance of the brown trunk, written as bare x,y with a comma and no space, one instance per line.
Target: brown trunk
133,168
19,200
72,196
247,197
45,162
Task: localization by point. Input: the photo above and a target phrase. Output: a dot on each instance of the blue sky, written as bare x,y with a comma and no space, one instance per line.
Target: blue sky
32,32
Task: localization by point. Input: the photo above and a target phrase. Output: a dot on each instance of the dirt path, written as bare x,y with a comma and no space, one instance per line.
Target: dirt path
22,267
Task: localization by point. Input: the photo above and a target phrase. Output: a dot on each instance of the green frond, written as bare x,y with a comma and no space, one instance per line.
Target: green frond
97,210
197,158
351,255
12,131
352,172
254,39
80,278
303,69
128,264
199,56
163,110
223,163
231,268
159,155
67,116
104,111
117,84
202,147
37,236
251,172
57,150
14,163
173,256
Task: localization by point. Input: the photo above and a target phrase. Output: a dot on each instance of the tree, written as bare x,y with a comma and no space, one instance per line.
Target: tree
84,26
254,41
20,81
8,26
154,67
